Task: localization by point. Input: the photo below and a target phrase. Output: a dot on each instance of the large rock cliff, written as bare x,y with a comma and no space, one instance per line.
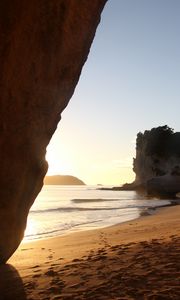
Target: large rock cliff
157,162
43,47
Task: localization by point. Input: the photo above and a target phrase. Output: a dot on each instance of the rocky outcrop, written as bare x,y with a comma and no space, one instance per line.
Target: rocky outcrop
44,45
157,161
62,180
164,186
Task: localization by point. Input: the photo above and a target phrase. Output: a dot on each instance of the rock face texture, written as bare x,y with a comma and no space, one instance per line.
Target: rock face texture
157,162
43,47
164,186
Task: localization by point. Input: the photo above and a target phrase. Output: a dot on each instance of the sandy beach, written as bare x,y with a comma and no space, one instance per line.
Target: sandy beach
134,260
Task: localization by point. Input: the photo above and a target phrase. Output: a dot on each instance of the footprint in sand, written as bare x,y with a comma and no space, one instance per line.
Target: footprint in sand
54,289
35,267
76,285
76,260
114,248
50,273
36,276
86,276
102,251
54,265
31,285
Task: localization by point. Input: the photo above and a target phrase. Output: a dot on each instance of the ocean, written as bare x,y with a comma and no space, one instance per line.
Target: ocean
59,210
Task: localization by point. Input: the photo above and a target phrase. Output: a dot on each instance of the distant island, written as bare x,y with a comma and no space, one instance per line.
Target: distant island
62,180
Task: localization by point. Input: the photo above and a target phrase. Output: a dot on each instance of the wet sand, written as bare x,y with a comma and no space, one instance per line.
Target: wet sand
139,259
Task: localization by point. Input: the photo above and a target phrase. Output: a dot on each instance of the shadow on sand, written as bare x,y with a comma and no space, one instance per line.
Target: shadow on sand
11,285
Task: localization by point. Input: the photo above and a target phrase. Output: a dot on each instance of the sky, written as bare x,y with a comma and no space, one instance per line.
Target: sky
130,83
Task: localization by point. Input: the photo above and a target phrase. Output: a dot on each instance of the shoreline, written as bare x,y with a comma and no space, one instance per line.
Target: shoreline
80,228
71,235
81,265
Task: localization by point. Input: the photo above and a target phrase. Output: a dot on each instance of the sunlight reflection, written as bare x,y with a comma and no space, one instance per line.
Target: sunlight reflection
31,228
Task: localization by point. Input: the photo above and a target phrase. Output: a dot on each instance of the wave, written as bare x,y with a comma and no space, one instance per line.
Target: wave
71,209
77,209
93,200
42,234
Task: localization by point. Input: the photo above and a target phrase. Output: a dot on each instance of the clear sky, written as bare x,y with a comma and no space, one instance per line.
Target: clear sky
130,83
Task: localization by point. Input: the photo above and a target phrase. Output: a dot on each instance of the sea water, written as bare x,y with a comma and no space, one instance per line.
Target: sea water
60,210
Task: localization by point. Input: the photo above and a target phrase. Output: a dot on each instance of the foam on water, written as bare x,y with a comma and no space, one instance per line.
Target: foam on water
62,209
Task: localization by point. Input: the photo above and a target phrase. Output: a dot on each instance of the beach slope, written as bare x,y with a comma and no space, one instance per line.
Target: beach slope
135,260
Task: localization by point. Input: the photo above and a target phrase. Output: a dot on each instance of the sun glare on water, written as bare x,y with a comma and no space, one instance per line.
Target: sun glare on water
31,228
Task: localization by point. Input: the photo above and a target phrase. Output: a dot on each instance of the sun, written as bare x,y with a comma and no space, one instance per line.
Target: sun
58,162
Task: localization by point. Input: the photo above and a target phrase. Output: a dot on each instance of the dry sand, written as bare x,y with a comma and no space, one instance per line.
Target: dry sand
135,260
